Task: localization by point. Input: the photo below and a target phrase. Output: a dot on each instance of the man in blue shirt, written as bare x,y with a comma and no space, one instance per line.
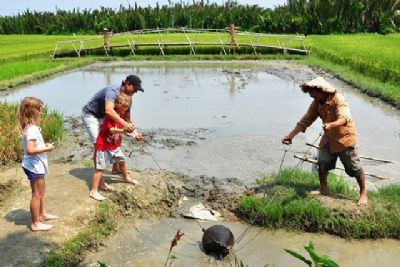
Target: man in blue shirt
102,103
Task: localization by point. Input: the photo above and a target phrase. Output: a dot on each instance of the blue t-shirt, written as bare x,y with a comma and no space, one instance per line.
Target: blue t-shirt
97,105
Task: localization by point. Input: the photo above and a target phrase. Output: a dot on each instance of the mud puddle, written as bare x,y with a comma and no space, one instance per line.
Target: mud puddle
144,243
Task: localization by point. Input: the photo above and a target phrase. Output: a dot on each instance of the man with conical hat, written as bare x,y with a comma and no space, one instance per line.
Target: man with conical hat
339,138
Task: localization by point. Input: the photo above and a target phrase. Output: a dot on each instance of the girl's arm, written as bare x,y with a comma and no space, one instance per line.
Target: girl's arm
31,148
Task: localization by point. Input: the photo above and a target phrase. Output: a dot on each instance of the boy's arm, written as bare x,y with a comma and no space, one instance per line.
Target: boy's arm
114,130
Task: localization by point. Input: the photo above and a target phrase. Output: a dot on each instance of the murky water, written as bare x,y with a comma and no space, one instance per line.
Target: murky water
223,119
226,119
140,244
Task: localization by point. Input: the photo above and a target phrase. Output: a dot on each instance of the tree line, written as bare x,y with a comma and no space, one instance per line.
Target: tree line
296,16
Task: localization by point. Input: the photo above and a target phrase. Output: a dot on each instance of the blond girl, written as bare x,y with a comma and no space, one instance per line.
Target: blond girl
34,162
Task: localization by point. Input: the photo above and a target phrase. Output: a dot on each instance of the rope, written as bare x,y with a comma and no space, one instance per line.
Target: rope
247,230
308,150
242,235
159,167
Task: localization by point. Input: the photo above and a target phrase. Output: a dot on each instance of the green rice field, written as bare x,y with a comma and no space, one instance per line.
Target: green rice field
369,61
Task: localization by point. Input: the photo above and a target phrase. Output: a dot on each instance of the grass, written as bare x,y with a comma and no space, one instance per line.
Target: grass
19,72
73,251
372,55
27,47
123,204
370,62
287,205
52,125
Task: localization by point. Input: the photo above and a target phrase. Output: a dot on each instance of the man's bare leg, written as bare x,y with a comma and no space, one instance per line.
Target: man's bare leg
323,184
363,200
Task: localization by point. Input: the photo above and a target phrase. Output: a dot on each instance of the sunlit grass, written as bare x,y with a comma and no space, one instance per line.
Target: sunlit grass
286,204
373,55
52,125
24,47
18,72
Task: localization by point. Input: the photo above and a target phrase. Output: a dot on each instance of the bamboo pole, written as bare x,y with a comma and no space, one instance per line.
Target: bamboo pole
304,158
363,157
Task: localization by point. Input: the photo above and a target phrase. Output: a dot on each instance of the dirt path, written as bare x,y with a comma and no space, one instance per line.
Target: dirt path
67,188
66,196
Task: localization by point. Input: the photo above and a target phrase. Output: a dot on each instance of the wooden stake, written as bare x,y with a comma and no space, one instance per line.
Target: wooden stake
363,157
304,158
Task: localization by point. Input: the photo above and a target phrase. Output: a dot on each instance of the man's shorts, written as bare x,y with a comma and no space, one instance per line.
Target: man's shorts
92,125
348,157
106,157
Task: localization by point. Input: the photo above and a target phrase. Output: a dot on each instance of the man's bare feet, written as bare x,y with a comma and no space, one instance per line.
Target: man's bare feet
40,227
48,217
363,200
318,193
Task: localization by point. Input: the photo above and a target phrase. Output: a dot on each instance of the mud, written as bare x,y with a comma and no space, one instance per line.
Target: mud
67,188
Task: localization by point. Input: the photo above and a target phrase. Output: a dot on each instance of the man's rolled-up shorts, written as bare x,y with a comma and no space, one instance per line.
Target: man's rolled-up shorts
92,125
349,158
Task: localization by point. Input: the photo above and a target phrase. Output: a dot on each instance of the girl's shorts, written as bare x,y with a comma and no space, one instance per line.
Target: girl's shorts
106,157
31,175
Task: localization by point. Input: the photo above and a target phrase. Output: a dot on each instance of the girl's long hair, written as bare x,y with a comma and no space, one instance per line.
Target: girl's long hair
29,112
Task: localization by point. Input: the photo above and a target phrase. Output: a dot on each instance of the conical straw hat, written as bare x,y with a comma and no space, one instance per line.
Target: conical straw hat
318,83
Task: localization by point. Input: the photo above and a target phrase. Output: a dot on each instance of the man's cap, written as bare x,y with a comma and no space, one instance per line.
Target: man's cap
135,80
318,83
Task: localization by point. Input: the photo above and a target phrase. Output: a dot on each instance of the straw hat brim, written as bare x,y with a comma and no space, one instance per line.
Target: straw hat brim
318,83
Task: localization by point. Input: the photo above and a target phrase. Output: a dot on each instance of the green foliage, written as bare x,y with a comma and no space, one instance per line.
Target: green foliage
369,54
287,205
296,16
52,124
361,60
10,140
10,137
319,261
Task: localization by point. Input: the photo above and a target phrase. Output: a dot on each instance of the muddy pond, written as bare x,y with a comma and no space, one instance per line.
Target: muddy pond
226,119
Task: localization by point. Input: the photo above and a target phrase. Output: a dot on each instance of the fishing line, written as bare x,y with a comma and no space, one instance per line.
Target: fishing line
163,247
242,235
159,167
